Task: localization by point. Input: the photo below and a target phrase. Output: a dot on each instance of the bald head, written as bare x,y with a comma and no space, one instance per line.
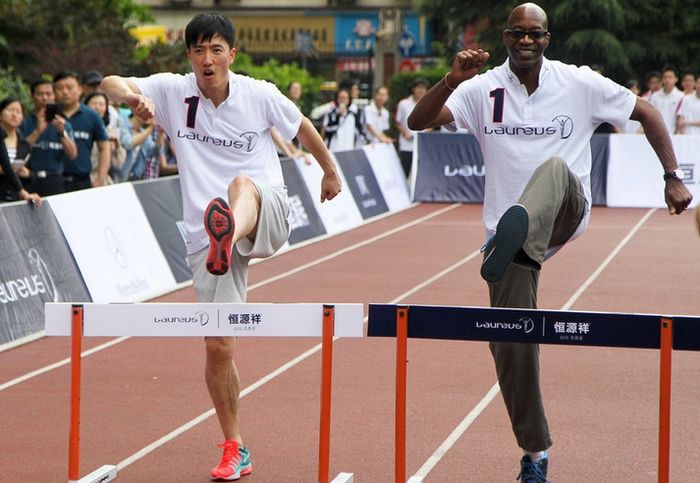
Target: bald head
528,10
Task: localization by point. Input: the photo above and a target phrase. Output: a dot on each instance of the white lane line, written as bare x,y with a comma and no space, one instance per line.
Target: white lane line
354,246
58,364
462,427
282,369
342,251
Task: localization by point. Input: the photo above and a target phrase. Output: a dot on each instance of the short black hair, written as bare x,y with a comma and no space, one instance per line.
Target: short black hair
420,81
670,67
87,99
653,73
35,85
337,93
66,74
9,100
205,25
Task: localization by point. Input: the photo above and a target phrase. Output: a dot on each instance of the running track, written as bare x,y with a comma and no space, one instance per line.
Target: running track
146,409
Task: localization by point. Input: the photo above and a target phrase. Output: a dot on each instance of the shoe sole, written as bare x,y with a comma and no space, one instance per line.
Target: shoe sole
245,471
218,257
511,234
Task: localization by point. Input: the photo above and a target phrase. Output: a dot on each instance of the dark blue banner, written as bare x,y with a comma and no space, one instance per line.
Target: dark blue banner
304,220
161,200
362,182
36,266
451,168
600,154
520,325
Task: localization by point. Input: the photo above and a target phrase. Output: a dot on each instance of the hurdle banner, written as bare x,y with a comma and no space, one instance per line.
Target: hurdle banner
534,326
197,319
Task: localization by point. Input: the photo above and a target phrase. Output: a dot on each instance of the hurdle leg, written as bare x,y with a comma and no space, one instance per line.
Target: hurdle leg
76,342
324,444
665,400
401,361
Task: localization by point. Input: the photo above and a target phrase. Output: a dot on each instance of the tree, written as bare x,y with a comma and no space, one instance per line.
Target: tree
627,37
44,36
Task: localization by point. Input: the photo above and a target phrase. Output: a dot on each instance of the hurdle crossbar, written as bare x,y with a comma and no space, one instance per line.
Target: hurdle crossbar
537,327
211,320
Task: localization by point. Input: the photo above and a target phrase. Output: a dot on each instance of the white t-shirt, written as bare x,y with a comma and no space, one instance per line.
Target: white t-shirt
690,110
345,136
668,105
518,132
216,144
403,110
378,119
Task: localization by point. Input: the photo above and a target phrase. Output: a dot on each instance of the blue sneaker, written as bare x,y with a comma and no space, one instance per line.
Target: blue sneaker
502,248
235,462
533,472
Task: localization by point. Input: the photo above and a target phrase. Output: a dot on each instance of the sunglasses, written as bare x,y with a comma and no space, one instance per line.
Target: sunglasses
518,34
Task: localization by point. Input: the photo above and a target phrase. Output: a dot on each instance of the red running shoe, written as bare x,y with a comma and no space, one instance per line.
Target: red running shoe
235,462
218,221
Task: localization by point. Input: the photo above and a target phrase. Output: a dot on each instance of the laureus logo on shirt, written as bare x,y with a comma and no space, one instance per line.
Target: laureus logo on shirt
561,125
246,141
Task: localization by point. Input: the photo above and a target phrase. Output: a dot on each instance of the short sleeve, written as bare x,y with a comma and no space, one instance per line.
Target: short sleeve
283,114
463,104
610,102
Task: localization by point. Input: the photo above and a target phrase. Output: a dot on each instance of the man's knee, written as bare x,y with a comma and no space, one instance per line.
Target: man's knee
240,184
219,350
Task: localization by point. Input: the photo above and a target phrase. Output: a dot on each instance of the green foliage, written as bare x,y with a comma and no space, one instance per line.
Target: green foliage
45,36
627,37
11,85
281,75
401,83
161,57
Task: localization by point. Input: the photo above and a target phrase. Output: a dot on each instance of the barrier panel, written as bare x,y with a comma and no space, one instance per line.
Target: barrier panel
200,320
534,326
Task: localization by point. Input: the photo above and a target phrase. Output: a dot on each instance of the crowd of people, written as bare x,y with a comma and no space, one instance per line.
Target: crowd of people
678,100
74,139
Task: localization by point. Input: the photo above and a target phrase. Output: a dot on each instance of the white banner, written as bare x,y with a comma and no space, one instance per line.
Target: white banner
113,244
387,169
341,213
200,320
635,174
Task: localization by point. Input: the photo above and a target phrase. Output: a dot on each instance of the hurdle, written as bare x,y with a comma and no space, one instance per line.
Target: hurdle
604,329
202,320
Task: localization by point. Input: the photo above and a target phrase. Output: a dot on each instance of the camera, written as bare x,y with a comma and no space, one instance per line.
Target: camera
50,112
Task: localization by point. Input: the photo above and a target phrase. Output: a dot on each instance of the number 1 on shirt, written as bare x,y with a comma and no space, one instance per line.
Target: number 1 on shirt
498,97
192,103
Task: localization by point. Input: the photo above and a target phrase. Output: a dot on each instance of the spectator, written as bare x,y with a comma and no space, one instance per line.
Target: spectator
140,142
51,139
689,113
668,99
653,84
377,117
294,92
99,103
88,128
343,124
14,152
403,110
688,83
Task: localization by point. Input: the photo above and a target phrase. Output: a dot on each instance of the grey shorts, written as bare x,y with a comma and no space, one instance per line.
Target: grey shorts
272,233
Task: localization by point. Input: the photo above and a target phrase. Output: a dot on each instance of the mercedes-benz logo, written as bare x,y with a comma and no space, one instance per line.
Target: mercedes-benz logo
114,247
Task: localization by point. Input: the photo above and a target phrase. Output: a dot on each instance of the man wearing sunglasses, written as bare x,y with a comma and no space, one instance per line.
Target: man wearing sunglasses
534,119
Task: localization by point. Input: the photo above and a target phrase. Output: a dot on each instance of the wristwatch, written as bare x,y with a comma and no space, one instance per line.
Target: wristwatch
677,174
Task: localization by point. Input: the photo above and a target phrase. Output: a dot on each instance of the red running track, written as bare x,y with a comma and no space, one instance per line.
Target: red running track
602,403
